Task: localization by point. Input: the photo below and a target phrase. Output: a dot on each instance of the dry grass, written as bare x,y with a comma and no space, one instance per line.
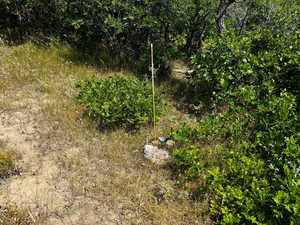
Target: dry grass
107,168
7,165
11,215
8,159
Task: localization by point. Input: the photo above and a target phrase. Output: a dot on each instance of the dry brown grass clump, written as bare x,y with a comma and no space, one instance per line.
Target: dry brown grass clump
7,161
11,215
7,165
14,216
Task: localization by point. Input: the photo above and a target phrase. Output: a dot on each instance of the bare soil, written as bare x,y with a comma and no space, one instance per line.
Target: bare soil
42,187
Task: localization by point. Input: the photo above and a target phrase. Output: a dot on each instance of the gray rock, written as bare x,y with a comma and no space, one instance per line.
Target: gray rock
155,154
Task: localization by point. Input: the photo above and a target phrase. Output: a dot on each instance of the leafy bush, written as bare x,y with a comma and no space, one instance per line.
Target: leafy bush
193,160
259,167
254,63
118,101
261,170
257,180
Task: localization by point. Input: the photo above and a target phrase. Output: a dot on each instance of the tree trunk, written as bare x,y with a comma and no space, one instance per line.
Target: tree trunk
223,6
197,24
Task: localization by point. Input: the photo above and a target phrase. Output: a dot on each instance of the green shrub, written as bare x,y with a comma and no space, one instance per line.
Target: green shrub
260,61
257,180
254,80
118,101
193,161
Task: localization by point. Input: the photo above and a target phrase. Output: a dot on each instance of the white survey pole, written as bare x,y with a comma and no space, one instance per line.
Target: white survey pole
153,90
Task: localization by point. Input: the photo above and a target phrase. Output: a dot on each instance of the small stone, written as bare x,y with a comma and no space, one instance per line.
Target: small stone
155,154
170,144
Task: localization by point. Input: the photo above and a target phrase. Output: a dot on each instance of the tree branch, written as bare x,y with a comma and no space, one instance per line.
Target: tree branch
223,6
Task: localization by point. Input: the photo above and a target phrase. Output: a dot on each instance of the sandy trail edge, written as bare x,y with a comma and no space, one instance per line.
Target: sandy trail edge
41,188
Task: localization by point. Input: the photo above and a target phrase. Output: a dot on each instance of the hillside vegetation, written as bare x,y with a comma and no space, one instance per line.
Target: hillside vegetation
76,109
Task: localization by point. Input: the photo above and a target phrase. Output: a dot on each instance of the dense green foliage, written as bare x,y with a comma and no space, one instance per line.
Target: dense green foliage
118,101
252,84
125,28
254,64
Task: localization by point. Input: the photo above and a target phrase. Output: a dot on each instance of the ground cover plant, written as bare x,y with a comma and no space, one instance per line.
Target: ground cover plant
118,101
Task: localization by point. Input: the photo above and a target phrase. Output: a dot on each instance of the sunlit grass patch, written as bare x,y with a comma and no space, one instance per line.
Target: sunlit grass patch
45,68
